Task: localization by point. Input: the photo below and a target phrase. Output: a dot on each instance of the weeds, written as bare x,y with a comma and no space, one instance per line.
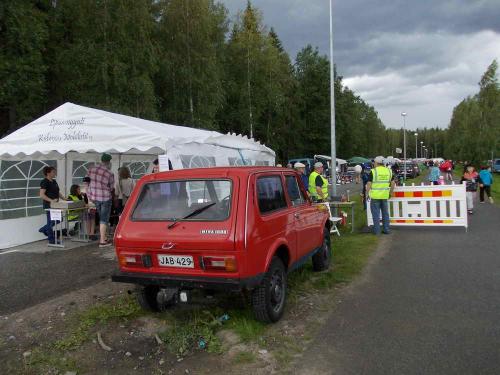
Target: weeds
194,329
124,307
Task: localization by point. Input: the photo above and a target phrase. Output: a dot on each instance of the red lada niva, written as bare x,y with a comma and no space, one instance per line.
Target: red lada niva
231,229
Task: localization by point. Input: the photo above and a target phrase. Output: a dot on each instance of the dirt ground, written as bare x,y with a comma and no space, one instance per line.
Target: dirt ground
26,339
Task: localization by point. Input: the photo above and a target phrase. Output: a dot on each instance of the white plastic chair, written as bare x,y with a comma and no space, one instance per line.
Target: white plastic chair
334,220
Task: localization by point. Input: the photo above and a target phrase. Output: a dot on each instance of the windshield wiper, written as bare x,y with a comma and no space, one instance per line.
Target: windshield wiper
194,213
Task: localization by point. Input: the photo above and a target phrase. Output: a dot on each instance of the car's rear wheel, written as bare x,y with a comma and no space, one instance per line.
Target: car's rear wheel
154,298
146,297
268,299
321,260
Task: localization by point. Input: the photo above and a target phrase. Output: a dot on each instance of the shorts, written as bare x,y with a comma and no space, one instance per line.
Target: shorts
104,210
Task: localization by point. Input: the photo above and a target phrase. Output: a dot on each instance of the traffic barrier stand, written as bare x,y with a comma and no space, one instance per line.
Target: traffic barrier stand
427,205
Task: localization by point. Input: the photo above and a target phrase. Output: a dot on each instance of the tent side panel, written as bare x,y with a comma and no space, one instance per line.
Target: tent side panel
20,231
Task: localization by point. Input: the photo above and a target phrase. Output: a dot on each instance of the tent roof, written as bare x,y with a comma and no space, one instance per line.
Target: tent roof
358,159
71,127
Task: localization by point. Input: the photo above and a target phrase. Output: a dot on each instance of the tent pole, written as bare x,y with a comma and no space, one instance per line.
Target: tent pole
66,173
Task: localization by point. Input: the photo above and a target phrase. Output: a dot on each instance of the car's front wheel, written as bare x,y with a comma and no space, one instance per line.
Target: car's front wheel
321,260
268,299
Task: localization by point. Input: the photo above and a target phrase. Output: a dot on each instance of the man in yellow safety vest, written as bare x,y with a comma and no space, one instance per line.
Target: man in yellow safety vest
318,185
379,188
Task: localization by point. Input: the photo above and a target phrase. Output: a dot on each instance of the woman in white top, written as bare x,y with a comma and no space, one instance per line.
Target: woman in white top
124,186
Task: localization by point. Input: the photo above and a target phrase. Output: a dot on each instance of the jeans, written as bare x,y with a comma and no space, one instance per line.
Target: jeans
376,205
47,228
104,210
485,188
470,195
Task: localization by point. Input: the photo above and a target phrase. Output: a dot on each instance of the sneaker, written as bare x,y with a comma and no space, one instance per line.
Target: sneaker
105,244
491,200
481,202
470,212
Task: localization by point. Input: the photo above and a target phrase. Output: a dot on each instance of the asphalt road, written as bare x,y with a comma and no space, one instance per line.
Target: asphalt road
27,279
429,305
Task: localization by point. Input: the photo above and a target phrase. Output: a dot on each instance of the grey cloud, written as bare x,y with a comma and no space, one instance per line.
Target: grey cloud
422,56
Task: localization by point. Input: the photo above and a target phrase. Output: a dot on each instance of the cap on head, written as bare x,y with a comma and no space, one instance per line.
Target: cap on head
299,165
105,158
318,164
379,160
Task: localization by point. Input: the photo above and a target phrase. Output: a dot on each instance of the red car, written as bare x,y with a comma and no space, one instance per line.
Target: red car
231,229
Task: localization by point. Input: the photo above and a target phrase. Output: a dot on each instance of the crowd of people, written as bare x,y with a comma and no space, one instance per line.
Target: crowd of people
103,195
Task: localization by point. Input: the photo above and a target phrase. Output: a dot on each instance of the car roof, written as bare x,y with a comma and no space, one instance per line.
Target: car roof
213,172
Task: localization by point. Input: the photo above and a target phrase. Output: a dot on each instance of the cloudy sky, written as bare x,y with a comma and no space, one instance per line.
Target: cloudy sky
418,56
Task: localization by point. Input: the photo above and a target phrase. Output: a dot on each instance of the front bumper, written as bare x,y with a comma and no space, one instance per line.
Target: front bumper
188,282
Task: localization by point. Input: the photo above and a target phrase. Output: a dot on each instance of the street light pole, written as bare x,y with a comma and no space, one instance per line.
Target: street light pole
416,145
403,114
333,169
421,149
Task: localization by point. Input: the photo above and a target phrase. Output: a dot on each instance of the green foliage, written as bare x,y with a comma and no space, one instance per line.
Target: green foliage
474,132
179,61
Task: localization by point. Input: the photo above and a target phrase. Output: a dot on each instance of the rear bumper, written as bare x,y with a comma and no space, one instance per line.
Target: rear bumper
227,284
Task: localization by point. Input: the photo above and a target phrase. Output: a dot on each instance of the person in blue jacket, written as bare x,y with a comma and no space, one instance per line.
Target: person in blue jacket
485,182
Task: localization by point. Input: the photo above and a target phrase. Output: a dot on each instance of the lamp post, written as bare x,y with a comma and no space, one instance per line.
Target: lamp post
421,149
333,150
416,145
403,114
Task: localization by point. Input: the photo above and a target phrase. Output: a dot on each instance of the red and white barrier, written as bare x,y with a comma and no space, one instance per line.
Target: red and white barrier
427,205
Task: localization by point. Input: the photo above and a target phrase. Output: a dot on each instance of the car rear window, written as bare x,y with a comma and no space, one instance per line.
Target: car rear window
270,193
196,200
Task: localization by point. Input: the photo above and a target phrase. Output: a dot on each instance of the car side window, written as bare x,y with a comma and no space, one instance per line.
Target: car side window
294,192
270,194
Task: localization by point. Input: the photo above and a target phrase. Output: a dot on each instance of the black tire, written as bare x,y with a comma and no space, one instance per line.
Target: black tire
321,260
146,297
268,299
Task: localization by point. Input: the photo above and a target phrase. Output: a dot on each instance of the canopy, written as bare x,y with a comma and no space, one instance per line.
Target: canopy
72,127
358,160
72,137
329,158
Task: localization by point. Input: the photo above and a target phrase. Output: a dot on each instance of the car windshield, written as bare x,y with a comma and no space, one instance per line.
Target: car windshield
209,200
497,162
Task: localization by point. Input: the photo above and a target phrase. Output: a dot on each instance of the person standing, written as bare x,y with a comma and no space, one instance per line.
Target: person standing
318,185
379,188
485,182
301,168
49,192
470,177
358,169
102,182
434,174
124,186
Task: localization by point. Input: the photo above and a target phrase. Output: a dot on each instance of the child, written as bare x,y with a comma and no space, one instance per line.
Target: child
471,177
441,180
485,182
89,215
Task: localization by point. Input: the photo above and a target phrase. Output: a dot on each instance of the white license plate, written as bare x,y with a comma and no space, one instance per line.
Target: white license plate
183,261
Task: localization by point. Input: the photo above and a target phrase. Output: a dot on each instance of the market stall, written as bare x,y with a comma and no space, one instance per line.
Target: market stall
72,137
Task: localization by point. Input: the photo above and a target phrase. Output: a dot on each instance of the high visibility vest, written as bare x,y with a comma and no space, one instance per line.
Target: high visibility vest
73,214
381,183
312,185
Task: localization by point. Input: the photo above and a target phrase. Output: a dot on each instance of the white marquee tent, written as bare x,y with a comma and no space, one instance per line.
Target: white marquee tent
72,137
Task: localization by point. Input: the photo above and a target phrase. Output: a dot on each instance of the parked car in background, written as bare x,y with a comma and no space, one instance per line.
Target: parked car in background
496,166
411,169
234,229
